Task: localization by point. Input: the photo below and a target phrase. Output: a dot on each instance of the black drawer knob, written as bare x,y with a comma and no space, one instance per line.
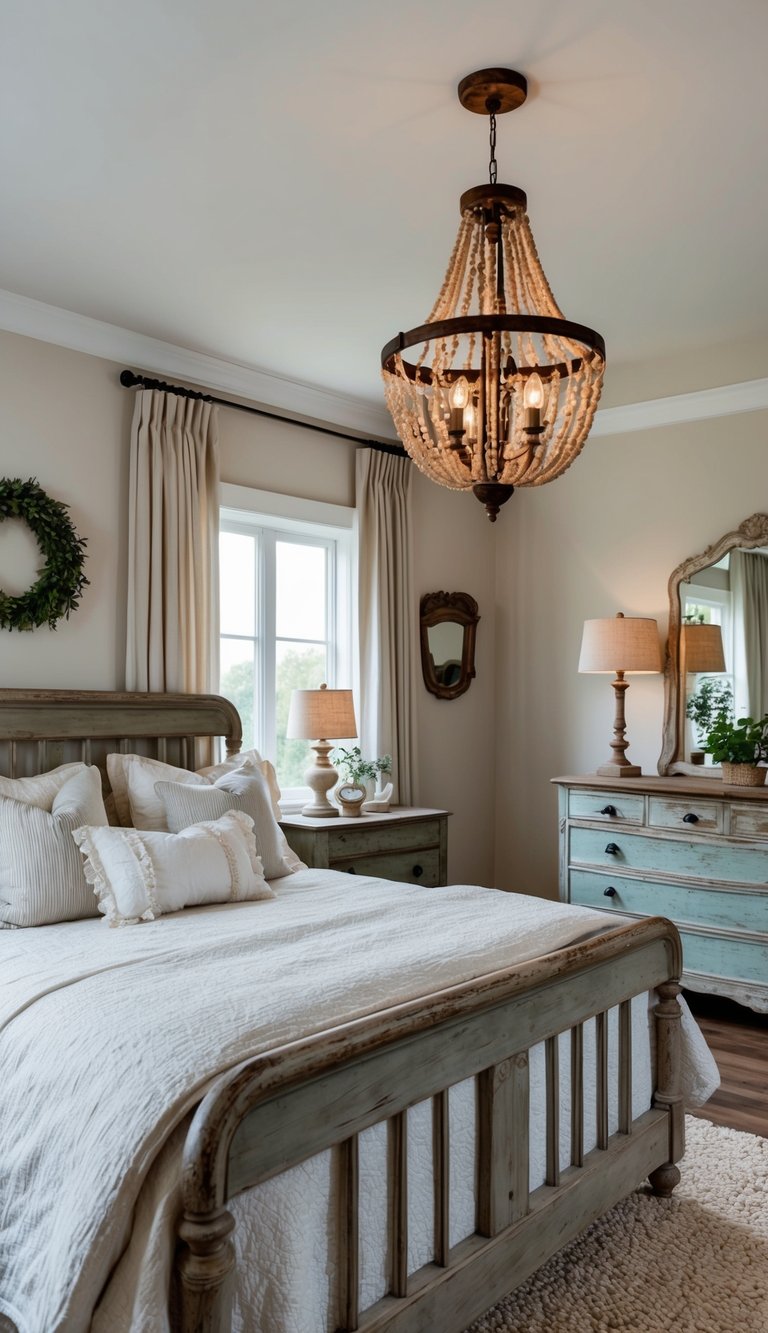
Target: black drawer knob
690,818
351,871
609,810
417,872
610,892
612,849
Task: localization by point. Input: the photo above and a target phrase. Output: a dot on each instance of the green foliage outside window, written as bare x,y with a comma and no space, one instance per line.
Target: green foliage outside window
299,669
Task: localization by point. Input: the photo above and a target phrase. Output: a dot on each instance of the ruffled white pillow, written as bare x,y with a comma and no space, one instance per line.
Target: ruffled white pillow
138,876
41,874
245,788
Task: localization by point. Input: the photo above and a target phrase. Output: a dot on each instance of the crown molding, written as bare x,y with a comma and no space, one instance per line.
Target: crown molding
80,333
701,405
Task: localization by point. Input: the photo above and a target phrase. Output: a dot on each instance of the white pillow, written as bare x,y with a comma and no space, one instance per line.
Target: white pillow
42,789
245,788
132,778
41,873
138,876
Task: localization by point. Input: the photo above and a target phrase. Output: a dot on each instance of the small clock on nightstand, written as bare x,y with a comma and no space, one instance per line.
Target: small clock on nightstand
350,797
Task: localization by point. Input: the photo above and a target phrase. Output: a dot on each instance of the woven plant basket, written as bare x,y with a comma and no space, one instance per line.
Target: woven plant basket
743,775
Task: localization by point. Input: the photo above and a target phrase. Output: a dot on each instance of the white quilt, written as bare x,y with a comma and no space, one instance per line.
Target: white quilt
109,1037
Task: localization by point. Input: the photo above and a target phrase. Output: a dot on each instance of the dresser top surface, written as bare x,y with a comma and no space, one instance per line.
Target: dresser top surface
357,821
670,786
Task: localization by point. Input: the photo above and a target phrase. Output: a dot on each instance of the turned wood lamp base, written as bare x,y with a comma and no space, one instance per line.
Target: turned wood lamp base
618,766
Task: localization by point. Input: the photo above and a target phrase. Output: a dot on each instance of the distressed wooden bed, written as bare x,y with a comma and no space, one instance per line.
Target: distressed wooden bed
282,1107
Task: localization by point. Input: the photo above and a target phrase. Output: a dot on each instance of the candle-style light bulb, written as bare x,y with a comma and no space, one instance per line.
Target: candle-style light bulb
533,401
459,395
469,421
533,393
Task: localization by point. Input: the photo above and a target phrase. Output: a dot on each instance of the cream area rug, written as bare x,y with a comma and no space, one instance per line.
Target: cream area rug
695,1263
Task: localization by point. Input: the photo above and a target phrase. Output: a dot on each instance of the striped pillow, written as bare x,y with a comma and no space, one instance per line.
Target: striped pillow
41,872
246,789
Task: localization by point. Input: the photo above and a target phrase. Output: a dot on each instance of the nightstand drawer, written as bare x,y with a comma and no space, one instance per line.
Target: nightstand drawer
749,821
414,867
702,859
628,809
688,816
372,839
720,910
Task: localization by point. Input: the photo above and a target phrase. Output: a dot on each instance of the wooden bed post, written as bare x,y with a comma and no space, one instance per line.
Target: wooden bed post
668,1016
206,1268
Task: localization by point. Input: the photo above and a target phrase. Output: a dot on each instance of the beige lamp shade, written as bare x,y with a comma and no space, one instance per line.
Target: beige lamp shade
321,714
620,643
703,648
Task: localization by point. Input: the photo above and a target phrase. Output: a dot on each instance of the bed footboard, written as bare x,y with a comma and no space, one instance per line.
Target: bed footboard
283,1107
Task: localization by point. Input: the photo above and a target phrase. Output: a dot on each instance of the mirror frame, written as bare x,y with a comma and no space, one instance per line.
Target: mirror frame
749,534
435,608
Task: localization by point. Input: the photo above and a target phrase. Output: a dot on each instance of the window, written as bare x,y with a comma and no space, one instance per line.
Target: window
285,590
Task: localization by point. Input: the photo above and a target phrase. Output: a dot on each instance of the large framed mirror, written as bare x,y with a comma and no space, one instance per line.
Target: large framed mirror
718,633
448,625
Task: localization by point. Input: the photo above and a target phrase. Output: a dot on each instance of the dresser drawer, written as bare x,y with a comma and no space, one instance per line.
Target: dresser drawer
371,838
690,816
745,960
629,809
414,867
706,860
721,910
749,821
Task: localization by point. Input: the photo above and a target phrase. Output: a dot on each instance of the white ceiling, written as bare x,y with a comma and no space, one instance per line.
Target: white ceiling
277,184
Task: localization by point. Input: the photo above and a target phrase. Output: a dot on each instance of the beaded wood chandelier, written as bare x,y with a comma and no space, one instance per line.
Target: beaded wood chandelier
498,390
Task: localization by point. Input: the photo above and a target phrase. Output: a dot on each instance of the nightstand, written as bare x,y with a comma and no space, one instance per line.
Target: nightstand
410,845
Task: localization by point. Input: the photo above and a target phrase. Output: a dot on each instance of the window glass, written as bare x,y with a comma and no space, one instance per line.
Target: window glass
237,576
300,591
238,682
299,666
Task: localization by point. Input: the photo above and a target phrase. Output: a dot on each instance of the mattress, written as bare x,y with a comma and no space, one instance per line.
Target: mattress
108,1038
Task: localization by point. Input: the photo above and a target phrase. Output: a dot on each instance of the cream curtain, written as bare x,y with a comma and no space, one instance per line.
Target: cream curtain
387,616
749,593
173,593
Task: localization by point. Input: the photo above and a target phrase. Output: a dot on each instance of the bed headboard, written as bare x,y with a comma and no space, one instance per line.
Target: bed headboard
40,729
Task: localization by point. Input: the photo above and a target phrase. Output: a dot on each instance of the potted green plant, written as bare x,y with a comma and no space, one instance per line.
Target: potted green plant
712,701
739,747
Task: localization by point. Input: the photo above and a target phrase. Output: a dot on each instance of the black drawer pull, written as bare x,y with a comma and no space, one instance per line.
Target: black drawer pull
690,819
612,849
609,810
417,872
351,871
610,892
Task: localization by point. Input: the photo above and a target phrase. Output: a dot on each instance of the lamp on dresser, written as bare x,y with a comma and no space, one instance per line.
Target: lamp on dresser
329,715
621,644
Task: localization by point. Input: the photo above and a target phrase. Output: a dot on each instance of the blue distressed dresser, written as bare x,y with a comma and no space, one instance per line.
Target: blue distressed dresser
693,850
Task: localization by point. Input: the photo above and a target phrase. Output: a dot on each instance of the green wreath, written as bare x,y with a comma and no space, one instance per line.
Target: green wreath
60,584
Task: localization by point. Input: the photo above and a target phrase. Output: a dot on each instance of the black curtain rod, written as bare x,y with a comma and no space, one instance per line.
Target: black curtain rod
130,380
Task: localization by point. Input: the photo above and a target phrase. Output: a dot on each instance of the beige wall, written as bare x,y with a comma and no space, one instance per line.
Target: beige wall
65,419
603,538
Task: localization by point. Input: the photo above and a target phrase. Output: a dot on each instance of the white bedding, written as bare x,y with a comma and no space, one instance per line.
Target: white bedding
109,1037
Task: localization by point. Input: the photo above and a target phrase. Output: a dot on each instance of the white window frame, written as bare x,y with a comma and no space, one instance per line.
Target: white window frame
312,522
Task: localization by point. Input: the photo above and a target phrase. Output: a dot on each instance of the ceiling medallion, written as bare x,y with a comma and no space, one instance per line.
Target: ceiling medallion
496,389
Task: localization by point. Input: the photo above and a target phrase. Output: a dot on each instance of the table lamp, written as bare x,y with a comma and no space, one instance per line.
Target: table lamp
701,648
620,644
326,714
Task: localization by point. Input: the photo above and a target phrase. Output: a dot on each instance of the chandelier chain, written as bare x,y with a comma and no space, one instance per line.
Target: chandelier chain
493,165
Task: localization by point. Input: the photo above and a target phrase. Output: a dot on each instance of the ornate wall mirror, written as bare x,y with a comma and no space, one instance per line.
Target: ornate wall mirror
718,629
448,625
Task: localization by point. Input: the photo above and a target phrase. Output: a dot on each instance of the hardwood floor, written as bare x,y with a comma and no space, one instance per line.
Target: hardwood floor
738,1039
